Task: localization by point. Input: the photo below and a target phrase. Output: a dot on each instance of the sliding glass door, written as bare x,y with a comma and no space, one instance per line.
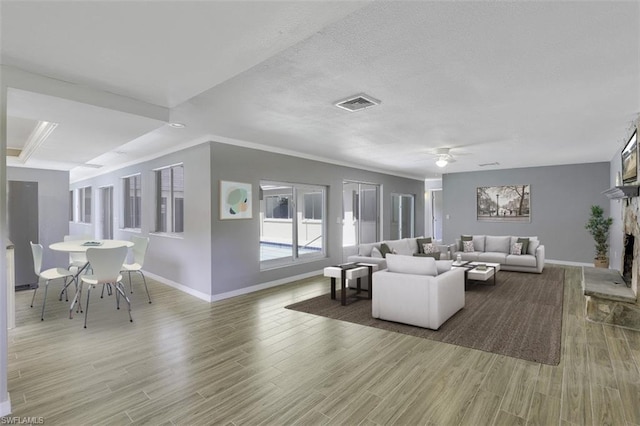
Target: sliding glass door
402,216
292,224
360,213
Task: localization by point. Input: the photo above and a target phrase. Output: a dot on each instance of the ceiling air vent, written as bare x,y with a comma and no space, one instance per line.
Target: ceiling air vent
357,102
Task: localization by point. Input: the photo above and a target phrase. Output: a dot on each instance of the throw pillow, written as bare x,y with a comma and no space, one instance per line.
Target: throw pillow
533,246
464,238
421,242
525,244
429,248
376,253
467,246
516,248
384,250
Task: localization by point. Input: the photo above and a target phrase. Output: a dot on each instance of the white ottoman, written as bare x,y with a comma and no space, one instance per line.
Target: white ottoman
345,274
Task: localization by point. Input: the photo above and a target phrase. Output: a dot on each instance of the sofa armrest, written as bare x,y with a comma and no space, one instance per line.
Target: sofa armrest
540,258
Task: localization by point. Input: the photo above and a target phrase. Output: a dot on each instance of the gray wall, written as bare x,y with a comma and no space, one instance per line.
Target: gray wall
53,208
186,259
235,243
220,256
561,197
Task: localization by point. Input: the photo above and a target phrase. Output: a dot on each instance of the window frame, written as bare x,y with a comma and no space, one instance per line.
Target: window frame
172,222
296,192
85,209
127,203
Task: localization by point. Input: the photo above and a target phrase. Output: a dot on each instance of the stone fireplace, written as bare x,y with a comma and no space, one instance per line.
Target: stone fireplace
631,253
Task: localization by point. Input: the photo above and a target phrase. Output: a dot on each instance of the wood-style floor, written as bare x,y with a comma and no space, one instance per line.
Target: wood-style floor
247,360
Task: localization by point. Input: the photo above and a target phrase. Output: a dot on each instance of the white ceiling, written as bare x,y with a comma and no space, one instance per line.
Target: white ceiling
519,83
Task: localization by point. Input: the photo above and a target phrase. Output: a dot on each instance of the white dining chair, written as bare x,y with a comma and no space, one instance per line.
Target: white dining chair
140,246
47,275
105,264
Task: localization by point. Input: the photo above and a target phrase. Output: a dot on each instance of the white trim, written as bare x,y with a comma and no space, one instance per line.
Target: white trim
209,138
216,297
5,406
566,262
258,287
195,293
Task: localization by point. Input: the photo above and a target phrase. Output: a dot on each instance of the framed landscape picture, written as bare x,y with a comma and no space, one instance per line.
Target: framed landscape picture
509,203
630,160
235,200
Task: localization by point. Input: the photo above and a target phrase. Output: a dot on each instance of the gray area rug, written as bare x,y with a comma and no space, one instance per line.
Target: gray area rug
521,316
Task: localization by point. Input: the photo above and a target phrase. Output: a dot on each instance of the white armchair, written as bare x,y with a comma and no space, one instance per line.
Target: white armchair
411,292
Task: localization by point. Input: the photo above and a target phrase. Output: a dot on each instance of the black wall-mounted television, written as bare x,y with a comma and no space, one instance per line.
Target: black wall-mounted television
630,159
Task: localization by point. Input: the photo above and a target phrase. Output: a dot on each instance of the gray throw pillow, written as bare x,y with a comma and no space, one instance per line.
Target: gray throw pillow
384,250
525,244
421,242
464,238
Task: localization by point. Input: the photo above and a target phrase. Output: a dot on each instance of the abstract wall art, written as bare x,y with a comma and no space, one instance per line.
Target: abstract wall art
235,200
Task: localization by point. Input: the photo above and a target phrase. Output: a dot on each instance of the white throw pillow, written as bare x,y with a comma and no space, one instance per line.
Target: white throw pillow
412,265
365,249
516,248
430,248
467,246
533,246
376,253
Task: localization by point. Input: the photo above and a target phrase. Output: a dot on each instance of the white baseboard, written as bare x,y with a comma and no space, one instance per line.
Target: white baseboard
5,407
215,297
566,262
263,286
195,293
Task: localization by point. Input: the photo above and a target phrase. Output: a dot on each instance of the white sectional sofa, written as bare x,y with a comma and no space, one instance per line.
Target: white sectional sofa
497,249
417,291
365,253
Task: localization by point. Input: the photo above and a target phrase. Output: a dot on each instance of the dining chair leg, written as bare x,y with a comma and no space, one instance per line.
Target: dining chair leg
44,301
144,280
130,285
121,289
86,308
117,297
33,298
76,299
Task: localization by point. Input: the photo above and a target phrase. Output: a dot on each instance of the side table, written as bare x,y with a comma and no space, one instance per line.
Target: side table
345,272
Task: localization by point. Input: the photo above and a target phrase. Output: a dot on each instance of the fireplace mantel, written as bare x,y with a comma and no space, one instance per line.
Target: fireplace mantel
622,191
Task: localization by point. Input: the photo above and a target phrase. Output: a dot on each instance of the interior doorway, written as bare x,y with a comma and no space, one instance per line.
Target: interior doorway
436,213
105,228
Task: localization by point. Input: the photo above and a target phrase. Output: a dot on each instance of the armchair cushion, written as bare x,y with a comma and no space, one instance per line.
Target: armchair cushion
411,265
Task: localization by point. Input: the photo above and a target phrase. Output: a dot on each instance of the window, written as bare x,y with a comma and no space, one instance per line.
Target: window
170,199
131,200
277,207
84,199
313,206
292,226
71,206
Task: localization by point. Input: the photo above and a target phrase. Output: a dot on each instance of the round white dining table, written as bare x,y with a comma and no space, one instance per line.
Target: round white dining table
81,246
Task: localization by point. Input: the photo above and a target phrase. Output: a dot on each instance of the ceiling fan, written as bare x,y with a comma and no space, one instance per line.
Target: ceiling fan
443,157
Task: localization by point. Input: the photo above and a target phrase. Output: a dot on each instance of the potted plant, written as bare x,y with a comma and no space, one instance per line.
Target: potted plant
598,227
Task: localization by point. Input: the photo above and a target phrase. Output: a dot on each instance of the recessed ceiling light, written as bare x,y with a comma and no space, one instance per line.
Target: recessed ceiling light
178,125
